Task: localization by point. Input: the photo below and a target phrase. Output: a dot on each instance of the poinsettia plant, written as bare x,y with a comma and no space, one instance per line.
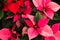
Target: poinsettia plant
29,20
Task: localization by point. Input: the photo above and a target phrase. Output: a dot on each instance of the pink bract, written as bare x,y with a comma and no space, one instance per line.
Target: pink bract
40,27
47,6
5,34
56,32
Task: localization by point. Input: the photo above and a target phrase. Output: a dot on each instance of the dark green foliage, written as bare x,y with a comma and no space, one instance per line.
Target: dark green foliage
1,14
25,37
38,16
39,37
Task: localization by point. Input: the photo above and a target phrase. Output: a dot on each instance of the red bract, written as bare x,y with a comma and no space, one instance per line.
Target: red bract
5,7
47,6
24,10
14,7
37,28
56,32
27,8
9,1
16,19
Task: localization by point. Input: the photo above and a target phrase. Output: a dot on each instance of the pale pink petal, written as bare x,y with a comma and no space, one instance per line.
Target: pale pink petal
46,31
24,30
32,33
8,17
31,18
54,6
29,23
18,23
40,8
49,13
42,22
38,4
24,16
55,27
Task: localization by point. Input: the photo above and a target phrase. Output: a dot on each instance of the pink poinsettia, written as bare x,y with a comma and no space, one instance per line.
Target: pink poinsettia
5,34
47,6
40,27
56,32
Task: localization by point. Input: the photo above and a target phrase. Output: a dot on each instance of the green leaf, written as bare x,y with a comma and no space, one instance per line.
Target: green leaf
1,14
7,23
25,37
9,13
56,17
39,37
38,16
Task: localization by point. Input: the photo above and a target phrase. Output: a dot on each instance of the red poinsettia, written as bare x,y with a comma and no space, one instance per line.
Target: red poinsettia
13,7
27,9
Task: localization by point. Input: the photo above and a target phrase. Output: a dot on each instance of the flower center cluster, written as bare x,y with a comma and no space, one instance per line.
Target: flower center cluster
35,26
44,9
